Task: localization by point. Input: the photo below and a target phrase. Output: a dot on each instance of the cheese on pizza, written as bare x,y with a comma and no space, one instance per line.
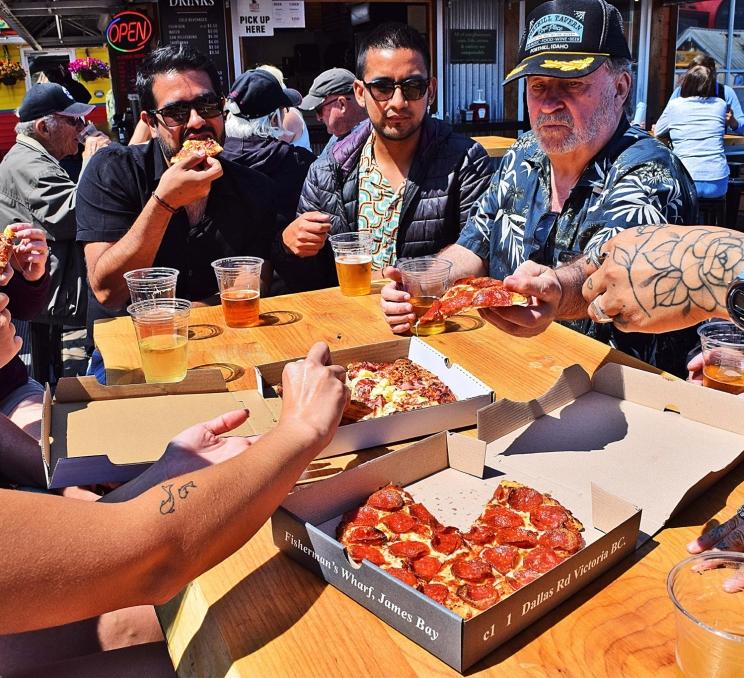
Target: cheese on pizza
209,146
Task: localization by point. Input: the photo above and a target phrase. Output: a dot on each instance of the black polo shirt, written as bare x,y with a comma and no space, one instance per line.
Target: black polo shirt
239,219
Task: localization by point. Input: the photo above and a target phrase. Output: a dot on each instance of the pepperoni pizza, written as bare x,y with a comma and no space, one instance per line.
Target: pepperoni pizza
209,147
520,535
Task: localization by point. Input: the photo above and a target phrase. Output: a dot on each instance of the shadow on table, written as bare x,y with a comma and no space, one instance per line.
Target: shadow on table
230,371
278,318
204,331
235,626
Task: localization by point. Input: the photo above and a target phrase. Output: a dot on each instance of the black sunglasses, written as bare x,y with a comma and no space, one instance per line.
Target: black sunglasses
383,89
179,113
77,122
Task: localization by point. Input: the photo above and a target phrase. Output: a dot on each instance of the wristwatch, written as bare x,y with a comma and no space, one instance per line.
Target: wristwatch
735,300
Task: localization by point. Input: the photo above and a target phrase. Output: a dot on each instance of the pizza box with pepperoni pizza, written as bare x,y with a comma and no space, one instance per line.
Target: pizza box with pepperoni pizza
472,395
623,452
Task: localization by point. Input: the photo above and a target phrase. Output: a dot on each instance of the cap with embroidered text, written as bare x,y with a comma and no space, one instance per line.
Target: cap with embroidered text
46,98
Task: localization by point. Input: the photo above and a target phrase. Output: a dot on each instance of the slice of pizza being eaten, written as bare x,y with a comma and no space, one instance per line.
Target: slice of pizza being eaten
208,146
6,246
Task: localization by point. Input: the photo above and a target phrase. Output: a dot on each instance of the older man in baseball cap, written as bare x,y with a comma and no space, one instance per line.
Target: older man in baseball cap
331,96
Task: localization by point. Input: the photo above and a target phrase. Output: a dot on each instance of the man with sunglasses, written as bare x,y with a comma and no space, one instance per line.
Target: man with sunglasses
138,209
404,177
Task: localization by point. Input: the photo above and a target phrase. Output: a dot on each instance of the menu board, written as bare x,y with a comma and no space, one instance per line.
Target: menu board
200,26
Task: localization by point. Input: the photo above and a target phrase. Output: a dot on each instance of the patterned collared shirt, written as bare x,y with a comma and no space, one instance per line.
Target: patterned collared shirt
634,180
379,207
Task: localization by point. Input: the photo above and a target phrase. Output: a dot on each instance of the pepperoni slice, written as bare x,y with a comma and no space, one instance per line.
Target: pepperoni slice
472,569
399,522
524,498
501,494
503,558
361,552
420,512
427,567
447,540
541,559
500,516
364,534
563,541
364,515
547,517
478,534
438,592
406,576
521,578
386,499
409,549
480,596
517,536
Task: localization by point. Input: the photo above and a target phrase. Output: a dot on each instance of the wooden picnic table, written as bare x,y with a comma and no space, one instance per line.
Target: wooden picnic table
259,613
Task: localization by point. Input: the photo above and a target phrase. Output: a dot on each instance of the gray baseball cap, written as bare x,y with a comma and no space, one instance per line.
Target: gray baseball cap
332,81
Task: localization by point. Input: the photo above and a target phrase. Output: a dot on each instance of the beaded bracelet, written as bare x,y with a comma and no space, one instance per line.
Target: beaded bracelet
163,204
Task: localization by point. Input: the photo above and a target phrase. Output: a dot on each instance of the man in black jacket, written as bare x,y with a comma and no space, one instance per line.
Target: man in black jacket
404,177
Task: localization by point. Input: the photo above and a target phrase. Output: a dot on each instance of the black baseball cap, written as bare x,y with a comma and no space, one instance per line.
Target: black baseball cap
569,39
257,93
46,98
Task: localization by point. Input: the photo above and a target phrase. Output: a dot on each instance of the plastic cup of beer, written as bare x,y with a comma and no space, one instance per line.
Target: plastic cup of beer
723,356
709,620
353,255
162,327
239,280
156,282
425,279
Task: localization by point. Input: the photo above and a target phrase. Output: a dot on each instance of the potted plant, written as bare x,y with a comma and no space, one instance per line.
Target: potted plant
11,72
88,68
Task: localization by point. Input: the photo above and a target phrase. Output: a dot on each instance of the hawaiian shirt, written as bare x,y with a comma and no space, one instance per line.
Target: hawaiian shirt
379,208
634,180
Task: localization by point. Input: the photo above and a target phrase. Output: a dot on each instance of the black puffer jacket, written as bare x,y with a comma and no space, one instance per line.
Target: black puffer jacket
449,173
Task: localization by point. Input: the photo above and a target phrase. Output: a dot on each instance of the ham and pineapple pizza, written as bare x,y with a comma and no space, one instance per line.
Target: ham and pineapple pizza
520,535
208,146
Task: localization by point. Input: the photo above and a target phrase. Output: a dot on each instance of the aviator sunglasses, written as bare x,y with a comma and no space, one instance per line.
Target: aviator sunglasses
383,89
179,113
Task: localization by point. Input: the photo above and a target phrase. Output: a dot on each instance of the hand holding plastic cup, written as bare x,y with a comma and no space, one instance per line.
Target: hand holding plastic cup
425,279
162,327
353,255
156,282
723,356
709,620
239,280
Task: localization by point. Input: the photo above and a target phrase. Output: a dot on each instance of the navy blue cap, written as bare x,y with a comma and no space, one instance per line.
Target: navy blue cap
46,98
257,93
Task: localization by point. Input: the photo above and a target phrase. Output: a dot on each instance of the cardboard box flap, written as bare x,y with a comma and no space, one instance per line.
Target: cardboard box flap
661,393
466,454
505,415
608,510
46,428
86,389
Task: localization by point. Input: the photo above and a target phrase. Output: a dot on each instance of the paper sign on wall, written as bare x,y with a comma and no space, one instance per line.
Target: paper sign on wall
289,14
256,18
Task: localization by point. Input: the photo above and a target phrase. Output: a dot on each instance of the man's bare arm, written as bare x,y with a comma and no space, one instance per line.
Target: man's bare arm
464,262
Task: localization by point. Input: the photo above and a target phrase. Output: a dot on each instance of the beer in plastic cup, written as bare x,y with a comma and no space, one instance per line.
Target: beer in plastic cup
425,279
709,620
723,356
239,280
156,282
162,327
353,255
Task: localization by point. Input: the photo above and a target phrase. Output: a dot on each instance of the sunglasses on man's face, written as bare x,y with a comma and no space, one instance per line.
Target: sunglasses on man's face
383,89
78,122
179,113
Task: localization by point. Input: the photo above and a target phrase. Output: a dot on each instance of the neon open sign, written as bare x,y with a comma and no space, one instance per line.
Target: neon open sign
129,31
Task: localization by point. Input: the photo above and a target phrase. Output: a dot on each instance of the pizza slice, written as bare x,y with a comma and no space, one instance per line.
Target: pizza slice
6,247
208,146
472,293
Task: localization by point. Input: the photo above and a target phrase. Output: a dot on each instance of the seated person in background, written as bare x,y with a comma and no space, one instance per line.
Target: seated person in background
579,177
295,128
167,530
137,209
331,98
405,177
734,113
256,105
695,122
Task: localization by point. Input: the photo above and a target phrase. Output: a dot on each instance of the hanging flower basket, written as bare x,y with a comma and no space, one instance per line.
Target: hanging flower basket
11,72
8,80
88,69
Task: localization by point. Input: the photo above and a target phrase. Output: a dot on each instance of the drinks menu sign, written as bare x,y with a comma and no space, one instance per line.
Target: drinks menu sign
200,24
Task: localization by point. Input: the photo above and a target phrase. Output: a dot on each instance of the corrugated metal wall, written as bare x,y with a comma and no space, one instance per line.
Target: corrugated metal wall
464,79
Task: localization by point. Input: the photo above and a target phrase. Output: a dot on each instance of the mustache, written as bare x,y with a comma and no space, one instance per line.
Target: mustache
553,119
189,133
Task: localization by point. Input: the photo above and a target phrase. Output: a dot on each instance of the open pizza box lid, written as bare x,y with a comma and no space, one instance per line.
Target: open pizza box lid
472,394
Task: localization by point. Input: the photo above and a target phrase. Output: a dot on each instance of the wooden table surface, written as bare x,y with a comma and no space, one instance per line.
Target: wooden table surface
260,614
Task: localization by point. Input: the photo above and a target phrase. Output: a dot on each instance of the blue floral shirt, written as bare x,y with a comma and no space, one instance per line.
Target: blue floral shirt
634,180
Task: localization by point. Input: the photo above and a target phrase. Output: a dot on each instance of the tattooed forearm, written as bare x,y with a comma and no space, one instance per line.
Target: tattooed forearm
168,505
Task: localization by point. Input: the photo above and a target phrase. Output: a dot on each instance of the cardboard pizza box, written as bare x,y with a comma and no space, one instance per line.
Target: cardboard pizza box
623,452
99,434
472,395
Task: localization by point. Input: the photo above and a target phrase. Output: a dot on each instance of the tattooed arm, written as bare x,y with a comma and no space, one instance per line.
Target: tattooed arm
84,558
662,278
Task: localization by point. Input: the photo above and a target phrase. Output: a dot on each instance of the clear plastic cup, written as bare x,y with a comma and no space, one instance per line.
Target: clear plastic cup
162,327
709,620
239,280
425,279
352,253
156,282
723,356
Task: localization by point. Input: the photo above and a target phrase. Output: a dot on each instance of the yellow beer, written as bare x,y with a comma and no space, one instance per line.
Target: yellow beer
354,274
163,358
420,306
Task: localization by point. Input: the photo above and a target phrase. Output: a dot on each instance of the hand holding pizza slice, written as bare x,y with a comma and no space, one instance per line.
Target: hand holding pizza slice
207,146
